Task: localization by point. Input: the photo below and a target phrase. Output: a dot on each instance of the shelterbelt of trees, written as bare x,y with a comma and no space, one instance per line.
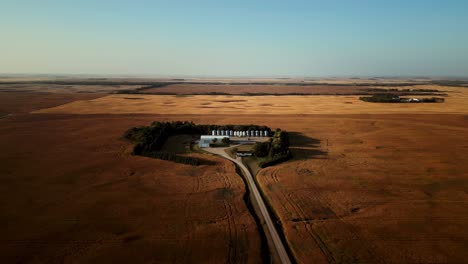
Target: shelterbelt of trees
395,98
150,139
273,151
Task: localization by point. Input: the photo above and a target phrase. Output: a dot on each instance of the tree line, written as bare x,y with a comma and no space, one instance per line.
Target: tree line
275,150
394,98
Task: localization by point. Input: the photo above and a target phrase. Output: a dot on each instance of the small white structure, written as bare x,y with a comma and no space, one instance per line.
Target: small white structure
213,132
243,154
256,133
231,133
266,133
206,140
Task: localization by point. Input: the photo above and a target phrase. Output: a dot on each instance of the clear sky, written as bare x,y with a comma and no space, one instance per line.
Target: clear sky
235,38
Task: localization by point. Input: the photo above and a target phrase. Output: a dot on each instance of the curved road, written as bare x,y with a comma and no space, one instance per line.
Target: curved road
283,255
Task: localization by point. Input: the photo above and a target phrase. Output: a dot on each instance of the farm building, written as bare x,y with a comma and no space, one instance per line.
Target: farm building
241,153
205,140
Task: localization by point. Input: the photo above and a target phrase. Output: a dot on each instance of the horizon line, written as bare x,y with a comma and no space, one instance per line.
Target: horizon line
187,76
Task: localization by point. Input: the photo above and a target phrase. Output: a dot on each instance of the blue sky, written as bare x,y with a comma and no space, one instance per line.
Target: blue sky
235,38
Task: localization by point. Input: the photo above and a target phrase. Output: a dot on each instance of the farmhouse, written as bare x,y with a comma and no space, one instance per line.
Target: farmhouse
205,140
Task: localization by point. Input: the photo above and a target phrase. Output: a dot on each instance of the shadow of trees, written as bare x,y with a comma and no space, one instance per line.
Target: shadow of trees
204,161
304,147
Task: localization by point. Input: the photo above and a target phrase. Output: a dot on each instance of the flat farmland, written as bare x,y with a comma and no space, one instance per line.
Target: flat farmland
72,192
242,105
254,89
369,183
25,102
63,89
374,189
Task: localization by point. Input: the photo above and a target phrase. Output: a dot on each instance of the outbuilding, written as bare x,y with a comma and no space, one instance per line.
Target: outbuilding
206,140
243,153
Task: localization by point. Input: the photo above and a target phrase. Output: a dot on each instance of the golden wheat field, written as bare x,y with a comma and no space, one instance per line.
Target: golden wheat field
225,104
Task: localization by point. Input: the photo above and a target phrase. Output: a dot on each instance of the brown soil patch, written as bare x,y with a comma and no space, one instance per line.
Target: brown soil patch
18,102
253,89
59,88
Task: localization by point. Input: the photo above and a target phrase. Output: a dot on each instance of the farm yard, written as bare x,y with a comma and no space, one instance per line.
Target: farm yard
367,182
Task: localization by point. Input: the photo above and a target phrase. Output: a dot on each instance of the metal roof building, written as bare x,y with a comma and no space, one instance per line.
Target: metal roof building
205,140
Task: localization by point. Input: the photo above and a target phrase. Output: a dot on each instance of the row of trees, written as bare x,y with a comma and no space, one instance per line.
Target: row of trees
150,139
275,150
224,141
393,98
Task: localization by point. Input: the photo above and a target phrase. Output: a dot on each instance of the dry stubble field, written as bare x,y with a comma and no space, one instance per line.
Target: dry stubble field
364,186
72,192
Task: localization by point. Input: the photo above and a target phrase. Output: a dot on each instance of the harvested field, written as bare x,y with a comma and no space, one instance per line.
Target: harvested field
71,192
367,183
253,89
58,88
279,88
374,189
222,104
19,102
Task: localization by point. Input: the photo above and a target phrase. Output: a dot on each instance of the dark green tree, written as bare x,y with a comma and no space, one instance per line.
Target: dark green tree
261,149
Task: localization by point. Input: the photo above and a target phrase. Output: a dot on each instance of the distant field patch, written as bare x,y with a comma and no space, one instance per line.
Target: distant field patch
244,105
230,101
134,98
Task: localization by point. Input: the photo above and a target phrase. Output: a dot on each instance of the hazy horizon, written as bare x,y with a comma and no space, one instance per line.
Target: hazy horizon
242,39
245,77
